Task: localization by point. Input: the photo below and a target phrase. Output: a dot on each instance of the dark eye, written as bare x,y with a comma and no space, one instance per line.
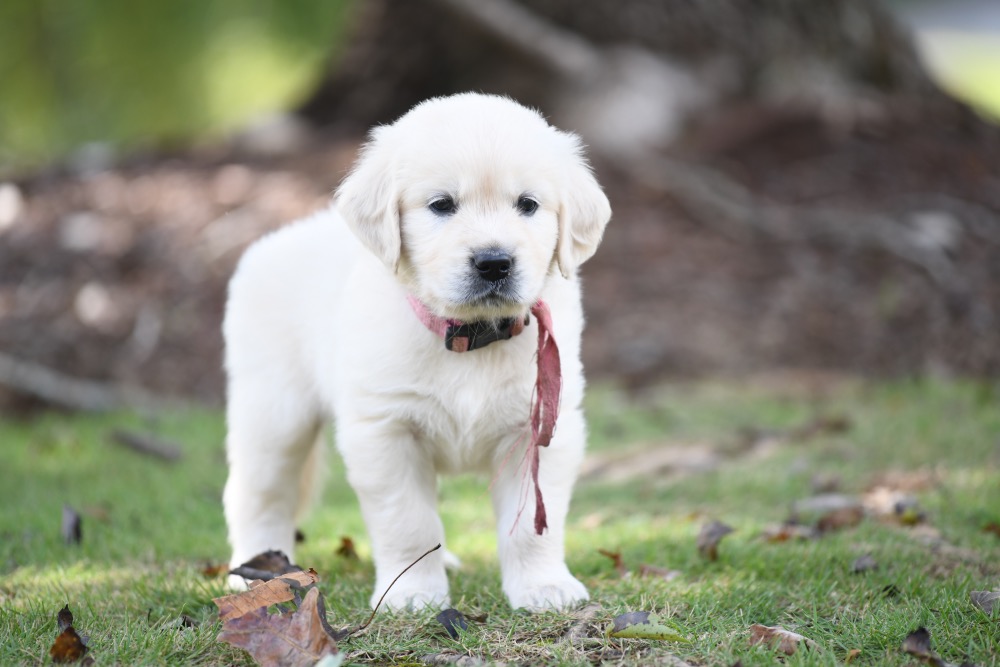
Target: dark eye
443,206
527,205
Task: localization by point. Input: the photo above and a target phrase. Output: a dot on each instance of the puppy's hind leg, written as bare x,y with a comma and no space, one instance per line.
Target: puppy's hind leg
271,434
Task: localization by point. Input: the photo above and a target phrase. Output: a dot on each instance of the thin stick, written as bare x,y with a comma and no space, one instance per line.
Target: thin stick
389,587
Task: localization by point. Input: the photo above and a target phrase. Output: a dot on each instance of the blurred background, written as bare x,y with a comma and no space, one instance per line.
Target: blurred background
809,187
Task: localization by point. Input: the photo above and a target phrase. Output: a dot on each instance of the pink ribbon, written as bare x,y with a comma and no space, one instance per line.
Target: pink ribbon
545,403
545,398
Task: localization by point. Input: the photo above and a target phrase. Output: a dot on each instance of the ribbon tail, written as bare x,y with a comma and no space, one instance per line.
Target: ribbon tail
541,520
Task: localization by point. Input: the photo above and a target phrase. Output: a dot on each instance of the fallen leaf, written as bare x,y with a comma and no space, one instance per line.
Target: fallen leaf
894,506
72,526
992,527
909,481
294,639
851,655
148,445
789,531
710,536
778,638
814,509
660,572
275,591
69,646
846,517
918,644
582,625
346,549
266,566
616,559
988,601
453,621
909,513
863,564
64,619
211,571
645,625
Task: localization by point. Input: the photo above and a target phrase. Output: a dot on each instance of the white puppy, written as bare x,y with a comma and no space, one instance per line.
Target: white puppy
468,209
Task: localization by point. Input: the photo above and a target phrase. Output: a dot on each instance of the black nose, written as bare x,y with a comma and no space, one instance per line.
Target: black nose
493,265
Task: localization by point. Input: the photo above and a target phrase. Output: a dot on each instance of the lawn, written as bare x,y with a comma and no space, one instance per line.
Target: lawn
741,453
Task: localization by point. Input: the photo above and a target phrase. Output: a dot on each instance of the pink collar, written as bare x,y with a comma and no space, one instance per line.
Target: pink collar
465,337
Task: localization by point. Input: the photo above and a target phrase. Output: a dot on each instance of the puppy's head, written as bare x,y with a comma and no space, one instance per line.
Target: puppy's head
473,201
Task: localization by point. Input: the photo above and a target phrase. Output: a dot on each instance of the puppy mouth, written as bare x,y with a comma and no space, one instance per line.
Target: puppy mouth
501,292
479,299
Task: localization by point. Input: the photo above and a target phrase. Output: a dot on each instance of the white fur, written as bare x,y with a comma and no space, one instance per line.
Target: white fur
318,326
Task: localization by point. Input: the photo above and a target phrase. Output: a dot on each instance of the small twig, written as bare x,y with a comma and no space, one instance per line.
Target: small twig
147,444
26,377
347,633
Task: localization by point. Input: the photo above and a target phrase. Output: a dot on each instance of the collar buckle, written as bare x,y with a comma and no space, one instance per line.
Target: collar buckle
468,336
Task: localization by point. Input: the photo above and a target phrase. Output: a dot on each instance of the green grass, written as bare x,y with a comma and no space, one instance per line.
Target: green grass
149,527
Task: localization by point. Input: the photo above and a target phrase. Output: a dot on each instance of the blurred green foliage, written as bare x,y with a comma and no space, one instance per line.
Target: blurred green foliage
137,73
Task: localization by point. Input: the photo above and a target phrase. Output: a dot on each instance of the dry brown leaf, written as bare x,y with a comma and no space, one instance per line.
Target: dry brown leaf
710,536
276,591
789,531
212,571
918,644
68,646
907,481
992,527
988,601
616,559
346,549
851,655
845,517
778,638
287,640
266,566
453,621
64,619
863,564
895,506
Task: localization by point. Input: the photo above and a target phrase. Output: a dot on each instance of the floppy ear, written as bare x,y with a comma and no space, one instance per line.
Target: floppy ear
369,202
584,212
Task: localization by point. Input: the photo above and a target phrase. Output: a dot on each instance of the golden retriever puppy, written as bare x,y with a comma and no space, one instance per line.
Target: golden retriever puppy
420,314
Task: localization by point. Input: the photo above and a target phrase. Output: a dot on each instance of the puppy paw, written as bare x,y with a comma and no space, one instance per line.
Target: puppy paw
451,561
544,594
236,583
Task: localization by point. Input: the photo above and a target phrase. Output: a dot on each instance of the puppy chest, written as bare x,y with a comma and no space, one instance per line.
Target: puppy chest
462,428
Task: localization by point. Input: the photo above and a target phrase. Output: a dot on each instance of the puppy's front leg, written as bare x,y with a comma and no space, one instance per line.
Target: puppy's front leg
533,566
396,484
